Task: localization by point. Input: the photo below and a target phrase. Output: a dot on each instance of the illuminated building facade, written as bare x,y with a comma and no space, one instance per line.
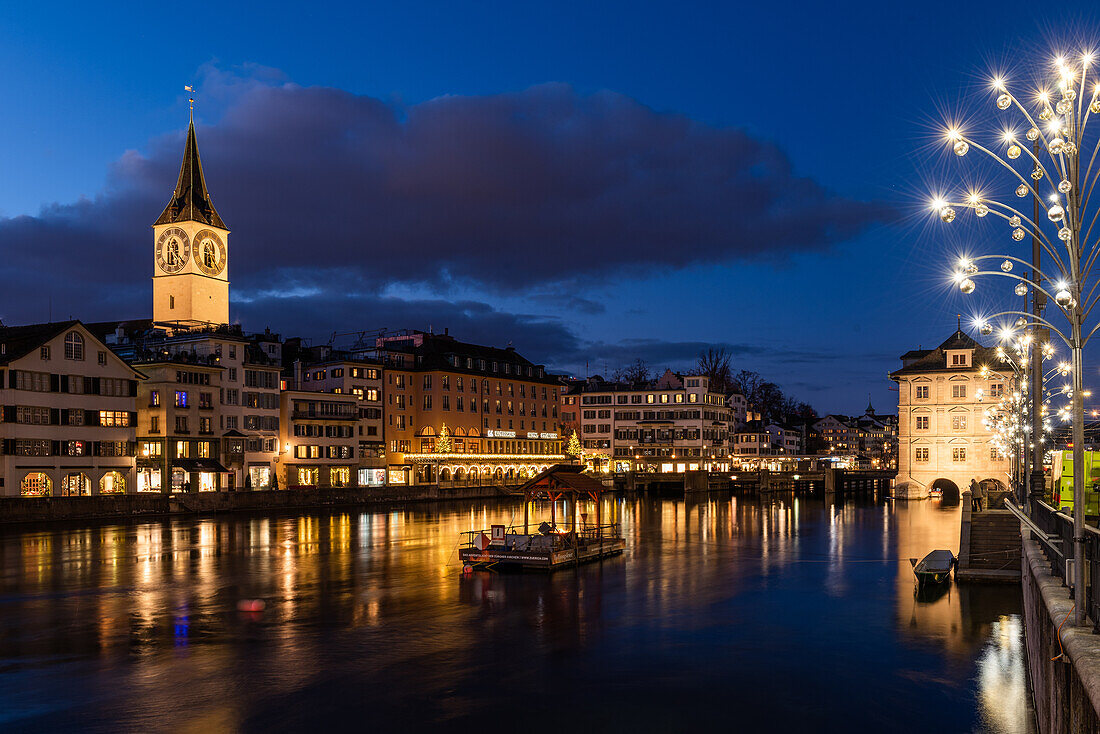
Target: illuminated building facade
340,372
68,418
318,439
500,410
941,440
673,423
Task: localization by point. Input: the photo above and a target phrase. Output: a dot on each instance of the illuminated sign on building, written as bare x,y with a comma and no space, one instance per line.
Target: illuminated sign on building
496,433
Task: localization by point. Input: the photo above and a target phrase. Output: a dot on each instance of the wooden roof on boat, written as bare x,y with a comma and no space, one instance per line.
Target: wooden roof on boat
563,478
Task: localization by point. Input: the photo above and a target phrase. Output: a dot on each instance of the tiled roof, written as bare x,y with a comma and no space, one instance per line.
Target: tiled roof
18,341
935,360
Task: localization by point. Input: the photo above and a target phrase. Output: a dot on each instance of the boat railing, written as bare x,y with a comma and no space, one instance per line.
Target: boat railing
558,537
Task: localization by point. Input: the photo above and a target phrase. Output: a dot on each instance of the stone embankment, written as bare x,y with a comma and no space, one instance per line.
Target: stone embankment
44,509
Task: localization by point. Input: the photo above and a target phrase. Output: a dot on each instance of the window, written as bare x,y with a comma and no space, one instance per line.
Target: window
958,454
206,400
103,357
922,422
922,392
427,382
154,424
958,422
154,398
44,352
996,390
181,424
181,399
427,399
205,425
994,454
150,448
958,391
958,360
74,346
114,418
920,455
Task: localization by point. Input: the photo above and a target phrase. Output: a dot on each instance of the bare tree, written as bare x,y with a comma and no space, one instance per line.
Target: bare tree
634,373
715,364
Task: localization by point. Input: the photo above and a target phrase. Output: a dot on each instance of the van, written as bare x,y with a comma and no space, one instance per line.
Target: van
1060,485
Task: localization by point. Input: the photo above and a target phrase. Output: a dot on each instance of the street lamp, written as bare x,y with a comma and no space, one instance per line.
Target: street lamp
1052,181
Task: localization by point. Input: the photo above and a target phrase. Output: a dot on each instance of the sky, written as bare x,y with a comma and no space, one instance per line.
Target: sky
589,182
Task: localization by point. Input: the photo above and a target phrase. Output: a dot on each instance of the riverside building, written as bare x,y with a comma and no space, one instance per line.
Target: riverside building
68,422
674,423
343,372
941,441
500,411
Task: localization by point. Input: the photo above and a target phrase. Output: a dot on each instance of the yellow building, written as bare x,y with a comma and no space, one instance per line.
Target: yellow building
500,411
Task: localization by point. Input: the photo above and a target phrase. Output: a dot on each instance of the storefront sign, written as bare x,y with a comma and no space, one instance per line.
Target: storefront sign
496,433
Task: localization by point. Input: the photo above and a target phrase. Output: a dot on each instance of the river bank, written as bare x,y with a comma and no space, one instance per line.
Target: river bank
15,510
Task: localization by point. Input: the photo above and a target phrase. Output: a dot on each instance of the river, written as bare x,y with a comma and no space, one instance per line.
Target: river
730,613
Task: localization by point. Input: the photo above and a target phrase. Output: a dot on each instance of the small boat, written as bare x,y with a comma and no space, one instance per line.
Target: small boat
934,568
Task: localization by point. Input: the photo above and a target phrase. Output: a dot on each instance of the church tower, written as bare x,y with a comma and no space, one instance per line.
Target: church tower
190,255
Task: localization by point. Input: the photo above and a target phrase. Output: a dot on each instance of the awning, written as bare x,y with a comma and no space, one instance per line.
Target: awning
199,465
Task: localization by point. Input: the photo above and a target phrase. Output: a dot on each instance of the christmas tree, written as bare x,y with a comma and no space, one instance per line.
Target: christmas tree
574,447
443,443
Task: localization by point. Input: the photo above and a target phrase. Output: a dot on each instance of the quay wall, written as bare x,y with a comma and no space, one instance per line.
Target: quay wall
44,509
1064,665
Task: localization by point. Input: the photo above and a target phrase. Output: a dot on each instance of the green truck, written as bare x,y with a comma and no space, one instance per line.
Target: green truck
1060,484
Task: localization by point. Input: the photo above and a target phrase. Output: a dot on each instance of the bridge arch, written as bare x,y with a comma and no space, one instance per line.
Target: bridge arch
949,489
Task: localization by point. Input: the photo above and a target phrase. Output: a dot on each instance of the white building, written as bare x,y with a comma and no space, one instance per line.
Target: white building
69,413
674,423
941,440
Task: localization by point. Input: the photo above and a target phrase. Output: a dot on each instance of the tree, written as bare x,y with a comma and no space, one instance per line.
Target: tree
749,384
714,363
443,444
574,448
635,372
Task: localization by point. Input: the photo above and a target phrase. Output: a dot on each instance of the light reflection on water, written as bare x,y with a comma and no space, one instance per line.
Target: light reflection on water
783,614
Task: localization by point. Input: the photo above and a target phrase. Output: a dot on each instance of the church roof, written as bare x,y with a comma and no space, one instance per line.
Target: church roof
191,201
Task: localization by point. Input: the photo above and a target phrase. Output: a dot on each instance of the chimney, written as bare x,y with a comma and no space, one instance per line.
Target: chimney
297,374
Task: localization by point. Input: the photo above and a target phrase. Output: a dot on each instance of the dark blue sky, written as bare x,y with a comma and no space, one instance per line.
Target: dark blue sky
589,183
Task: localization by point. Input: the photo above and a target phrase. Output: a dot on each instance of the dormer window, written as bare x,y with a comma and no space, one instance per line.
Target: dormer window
958,359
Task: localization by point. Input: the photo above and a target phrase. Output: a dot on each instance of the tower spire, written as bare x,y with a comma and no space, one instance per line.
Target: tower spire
190,200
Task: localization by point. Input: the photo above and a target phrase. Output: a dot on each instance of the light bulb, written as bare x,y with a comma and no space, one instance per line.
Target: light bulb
967,286
1021,190
1006,266
961,147
1013,151
1065,186
1004,102
1021,289
947,214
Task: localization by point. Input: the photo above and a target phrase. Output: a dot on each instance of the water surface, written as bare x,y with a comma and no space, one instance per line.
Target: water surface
732,613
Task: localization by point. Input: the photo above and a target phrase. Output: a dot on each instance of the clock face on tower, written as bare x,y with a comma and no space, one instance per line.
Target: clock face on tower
173,250
209,252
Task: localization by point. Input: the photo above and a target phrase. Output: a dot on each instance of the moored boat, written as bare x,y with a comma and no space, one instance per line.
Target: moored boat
934,568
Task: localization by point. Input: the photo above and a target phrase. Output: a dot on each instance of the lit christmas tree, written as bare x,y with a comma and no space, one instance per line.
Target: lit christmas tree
443,443
574,447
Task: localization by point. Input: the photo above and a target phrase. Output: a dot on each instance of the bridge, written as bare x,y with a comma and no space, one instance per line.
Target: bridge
820,480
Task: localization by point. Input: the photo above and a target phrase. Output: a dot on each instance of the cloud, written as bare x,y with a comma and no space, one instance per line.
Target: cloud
501,193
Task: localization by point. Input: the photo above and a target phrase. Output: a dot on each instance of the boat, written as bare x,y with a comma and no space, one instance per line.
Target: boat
547,546
934,568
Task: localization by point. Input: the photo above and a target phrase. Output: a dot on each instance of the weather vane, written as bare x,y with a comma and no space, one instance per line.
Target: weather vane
191,101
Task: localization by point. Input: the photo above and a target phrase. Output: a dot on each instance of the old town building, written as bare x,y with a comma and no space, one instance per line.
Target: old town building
318,440
942,443
68,422
673,423
344,372
500,411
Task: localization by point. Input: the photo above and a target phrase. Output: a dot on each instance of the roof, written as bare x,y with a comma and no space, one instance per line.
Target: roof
190,201
568,477
935,360
19,341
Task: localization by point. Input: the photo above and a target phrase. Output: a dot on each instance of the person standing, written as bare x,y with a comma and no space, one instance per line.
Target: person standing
975,496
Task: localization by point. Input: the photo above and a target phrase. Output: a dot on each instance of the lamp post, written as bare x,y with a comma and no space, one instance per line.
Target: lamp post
1056,183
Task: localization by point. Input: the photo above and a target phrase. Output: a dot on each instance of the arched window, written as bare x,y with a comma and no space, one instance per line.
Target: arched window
74,346
35,484
112,483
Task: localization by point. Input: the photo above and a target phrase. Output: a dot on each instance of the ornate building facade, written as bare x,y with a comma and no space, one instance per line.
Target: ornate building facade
943,394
